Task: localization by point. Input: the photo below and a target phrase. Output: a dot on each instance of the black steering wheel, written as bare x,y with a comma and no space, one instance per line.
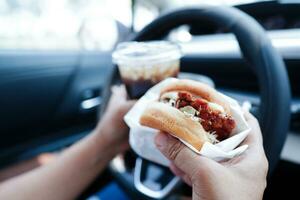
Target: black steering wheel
257,50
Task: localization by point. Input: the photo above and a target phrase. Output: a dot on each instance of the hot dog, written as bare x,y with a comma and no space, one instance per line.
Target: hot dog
191,111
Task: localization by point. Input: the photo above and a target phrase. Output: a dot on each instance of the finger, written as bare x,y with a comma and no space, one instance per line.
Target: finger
126,107
124,146
255,149
118,100
183,158
255,136
176,171
181,174
187,180
119,91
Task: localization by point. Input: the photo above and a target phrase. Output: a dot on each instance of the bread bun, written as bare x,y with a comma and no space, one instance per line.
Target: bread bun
171,120
198,89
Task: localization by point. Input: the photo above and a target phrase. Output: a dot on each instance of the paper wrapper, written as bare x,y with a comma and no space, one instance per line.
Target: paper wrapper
141,138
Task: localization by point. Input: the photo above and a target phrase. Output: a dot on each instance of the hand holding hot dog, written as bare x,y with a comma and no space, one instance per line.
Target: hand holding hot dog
241,177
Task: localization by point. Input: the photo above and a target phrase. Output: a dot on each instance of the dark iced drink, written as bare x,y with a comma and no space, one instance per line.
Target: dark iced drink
144,64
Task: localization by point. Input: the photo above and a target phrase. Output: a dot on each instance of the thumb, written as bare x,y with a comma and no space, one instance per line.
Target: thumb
183,158
126,106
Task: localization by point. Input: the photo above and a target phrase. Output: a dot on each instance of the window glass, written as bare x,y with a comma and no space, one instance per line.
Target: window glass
62,24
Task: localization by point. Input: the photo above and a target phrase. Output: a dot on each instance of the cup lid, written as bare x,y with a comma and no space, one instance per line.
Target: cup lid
149,52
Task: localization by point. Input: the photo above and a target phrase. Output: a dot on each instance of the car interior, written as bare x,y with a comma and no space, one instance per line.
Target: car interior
56,71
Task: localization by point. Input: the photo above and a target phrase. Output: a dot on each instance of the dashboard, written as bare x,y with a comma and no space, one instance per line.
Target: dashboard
274,15
279,21
270,14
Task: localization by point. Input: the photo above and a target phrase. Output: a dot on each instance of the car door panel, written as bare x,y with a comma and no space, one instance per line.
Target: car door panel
41,92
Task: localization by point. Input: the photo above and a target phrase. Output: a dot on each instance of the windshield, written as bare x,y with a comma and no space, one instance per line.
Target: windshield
62,24
81,24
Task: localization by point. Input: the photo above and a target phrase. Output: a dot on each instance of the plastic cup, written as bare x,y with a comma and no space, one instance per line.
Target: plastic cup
144,64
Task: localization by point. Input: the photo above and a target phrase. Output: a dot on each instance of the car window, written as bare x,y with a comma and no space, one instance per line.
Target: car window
62,24
80,24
